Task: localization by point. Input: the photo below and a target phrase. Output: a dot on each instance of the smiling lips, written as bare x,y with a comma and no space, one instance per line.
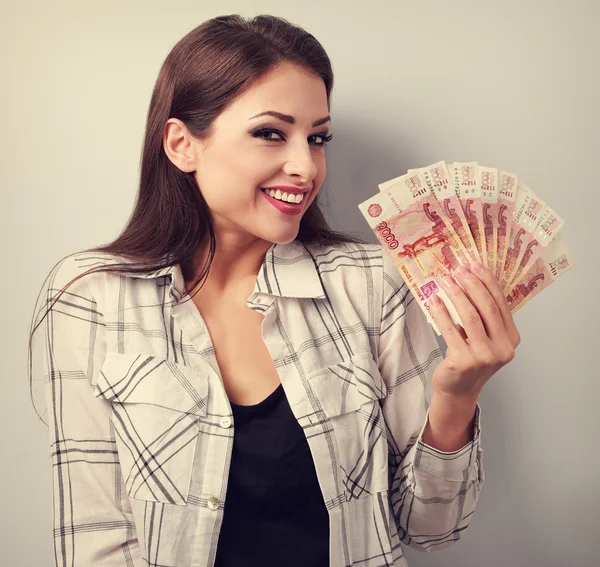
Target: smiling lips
285,196
287,202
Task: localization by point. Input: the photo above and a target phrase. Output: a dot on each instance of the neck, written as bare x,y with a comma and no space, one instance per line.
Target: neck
233,270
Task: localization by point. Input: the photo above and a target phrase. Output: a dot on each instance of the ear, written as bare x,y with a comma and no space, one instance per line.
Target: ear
180,146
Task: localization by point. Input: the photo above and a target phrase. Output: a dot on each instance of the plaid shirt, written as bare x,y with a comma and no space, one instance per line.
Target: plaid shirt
141,429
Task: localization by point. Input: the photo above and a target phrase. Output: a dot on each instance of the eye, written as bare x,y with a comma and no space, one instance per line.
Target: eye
321,139
325,138
265,134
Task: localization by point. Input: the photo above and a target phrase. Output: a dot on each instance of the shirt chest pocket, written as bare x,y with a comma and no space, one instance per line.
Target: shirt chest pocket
156,405
350,393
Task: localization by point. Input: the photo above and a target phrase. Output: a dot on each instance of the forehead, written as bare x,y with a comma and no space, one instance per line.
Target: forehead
289,89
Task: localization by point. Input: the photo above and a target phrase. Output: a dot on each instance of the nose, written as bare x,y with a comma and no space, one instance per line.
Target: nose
300,162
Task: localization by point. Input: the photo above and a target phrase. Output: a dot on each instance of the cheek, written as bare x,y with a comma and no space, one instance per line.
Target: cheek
228,176
321,171
247,172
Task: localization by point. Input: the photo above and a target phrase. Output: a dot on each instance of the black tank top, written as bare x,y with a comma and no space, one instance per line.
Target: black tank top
274,510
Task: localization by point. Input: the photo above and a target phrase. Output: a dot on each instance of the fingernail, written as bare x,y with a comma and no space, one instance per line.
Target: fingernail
461,271
434,300
477,267
447,281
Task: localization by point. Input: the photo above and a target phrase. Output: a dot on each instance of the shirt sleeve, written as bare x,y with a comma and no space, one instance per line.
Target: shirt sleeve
433,493
93,521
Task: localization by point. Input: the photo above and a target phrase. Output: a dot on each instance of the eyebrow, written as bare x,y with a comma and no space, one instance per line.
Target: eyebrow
290,119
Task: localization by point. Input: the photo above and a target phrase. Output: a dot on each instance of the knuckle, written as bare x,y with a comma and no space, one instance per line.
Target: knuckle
516,339
499,355
501,299
472,317
507,354
486,357
492,306
464,364
447,328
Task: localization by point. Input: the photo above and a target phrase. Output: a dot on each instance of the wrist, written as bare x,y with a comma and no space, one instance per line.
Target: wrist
455,403
450,423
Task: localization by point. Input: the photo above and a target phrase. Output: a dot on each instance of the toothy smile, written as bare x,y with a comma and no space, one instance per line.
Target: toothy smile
283,196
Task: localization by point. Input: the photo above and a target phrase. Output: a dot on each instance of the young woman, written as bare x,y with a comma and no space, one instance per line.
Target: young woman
230,382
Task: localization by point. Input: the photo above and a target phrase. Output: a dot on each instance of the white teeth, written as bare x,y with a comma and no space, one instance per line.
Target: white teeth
287,197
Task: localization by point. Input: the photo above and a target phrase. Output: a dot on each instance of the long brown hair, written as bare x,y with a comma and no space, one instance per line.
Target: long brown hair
204,73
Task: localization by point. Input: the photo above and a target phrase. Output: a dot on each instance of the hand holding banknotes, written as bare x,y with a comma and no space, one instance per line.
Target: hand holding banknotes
473,244
487,340
433,219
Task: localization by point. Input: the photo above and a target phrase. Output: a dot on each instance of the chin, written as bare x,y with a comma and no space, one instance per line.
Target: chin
284,237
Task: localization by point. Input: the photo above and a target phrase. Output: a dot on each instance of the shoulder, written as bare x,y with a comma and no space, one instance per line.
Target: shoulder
66,287
351,269
346,257
71,271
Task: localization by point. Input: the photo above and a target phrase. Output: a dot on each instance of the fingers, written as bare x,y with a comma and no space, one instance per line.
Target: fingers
487,322
493,287
450,332
469,315
484,303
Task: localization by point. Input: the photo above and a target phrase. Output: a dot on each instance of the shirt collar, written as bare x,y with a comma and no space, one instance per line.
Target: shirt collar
288,270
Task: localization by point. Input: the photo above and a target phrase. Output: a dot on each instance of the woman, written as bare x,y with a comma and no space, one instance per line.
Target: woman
230,382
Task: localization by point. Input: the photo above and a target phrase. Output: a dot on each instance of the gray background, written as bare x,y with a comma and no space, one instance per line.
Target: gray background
511,84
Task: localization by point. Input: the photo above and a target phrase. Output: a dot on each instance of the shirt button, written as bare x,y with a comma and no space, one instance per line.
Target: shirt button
225,422
213,503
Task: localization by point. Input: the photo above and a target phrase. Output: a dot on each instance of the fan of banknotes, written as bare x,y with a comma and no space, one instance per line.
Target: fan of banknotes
433,219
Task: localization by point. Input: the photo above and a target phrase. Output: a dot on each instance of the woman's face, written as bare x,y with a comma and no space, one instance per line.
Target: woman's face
249,150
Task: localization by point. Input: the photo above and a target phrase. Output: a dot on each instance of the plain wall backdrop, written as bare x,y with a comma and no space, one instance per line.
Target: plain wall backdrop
511,84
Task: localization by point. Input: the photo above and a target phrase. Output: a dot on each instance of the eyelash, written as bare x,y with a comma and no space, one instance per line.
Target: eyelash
262,131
